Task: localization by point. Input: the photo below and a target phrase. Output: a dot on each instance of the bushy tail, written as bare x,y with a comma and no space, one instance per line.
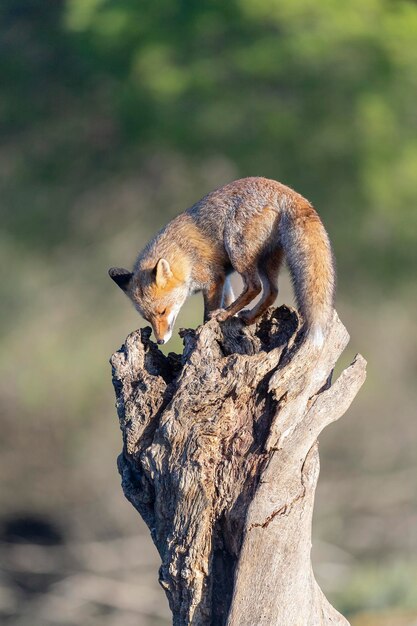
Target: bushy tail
311,264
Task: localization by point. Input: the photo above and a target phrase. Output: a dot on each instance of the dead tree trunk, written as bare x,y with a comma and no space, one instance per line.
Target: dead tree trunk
220,459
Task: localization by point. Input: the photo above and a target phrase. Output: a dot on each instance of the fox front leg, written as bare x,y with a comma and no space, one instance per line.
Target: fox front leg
213,296
228,296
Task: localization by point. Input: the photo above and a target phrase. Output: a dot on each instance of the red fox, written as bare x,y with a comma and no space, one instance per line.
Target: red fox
247,226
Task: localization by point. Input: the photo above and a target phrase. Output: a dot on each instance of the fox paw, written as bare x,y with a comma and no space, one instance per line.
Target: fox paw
221,315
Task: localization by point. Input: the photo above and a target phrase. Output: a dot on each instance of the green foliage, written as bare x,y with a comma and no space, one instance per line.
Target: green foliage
318,95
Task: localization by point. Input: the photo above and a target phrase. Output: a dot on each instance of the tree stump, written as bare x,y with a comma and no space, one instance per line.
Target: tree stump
220,458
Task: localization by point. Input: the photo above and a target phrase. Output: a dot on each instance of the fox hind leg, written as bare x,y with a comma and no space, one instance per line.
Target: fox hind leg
252,286
245,239
269,277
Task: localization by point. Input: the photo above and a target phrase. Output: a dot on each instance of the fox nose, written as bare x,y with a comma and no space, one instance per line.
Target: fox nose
160,342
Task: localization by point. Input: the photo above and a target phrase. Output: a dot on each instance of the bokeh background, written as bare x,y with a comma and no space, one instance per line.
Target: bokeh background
114,116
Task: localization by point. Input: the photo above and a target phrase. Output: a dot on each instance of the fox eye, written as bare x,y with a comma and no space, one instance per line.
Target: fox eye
162,312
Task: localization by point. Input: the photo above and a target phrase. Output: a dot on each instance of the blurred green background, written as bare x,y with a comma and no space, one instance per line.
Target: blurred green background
115,115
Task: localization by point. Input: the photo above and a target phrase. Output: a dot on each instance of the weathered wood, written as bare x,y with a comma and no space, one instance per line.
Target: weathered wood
220,459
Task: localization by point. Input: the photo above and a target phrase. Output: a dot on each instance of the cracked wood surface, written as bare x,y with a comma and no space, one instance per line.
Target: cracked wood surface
220,458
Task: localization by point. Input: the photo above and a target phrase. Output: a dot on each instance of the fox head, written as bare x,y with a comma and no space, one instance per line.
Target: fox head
156,293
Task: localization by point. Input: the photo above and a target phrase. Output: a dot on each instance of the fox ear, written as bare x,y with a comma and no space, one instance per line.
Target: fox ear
162,272
120,276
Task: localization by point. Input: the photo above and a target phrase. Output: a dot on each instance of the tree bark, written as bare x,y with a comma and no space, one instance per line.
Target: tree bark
220,458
